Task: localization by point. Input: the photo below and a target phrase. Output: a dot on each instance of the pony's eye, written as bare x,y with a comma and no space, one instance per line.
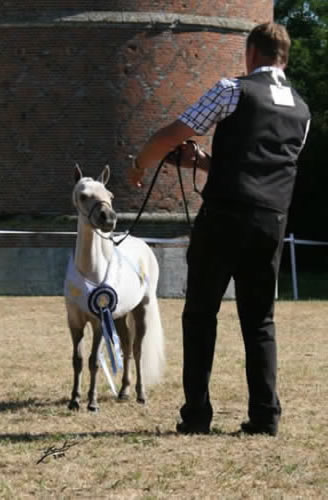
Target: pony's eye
83,197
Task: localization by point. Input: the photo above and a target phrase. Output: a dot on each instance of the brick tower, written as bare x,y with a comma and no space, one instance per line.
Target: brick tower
88,82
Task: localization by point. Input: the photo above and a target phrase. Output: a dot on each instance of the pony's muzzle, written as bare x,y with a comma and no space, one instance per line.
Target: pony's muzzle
107,220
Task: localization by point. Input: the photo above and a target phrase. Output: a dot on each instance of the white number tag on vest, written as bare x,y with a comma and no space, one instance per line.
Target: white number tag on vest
282,96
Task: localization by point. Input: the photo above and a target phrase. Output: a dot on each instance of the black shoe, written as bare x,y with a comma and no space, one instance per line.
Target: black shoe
183,428
252,428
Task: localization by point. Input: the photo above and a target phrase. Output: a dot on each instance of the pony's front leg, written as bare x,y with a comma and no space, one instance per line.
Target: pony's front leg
77,339
94,367
126,339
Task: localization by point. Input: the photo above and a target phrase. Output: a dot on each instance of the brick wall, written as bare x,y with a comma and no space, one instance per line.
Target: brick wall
76,86
255,10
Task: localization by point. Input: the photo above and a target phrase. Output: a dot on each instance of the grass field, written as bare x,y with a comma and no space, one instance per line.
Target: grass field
128,451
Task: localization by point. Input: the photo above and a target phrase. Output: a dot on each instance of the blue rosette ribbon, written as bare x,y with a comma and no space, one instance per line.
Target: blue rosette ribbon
102,302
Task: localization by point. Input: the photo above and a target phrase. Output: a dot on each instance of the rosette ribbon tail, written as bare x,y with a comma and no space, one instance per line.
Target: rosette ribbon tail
107,373
111,339
102,302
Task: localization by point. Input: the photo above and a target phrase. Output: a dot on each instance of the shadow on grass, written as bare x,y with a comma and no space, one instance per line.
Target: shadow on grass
28,403
14,406
26,437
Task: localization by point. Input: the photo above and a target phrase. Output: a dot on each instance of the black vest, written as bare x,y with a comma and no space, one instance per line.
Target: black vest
255,149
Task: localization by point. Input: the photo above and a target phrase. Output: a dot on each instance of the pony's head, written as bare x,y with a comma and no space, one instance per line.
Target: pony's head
93,201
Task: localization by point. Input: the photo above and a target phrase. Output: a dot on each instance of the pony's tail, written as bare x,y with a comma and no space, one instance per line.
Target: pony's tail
153,349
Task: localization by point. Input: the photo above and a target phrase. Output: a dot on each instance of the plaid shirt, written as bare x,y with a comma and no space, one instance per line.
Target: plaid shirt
218,103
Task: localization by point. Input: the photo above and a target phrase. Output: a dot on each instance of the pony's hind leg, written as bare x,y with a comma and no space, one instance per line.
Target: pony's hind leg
93,368
126,339
77,339
139,315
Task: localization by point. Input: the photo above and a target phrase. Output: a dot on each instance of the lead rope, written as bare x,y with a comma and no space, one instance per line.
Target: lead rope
195,166
136,220
177,155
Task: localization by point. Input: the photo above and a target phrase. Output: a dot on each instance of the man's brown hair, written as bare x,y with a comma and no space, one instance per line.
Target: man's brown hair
272,40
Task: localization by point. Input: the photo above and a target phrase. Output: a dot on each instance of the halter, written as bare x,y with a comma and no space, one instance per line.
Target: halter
88,216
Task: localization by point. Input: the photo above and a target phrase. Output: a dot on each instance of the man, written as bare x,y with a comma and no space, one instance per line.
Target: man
261,128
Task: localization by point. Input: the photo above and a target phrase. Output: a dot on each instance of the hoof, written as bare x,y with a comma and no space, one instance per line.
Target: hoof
123,397
73,405
93,408
141,401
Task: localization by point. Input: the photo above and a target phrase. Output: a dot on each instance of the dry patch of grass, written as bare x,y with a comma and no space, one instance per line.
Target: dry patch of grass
131,451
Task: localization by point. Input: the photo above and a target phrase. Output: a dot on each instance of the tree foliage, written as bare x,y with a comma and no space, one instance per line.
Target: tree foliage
307,24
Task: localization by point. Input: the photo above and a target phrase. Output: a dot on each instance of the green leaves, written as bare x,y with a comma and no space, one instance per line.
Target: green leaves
307,24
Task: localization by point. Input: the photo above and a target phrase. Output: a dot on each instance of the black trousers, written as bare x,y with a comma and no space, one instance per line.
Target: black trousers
245,244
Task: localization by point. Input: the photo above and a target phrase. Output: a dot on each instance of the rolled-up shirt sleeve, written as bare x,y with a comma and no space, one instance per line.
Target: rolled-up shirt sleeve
214,106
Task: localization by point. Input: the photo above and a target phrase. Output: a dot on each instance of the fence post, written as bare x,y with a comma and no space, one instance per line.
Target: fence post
293,265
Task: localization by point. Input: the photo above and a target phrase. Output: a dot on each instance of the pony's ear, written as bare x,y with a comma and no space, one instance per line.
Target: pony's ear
77,173
105,175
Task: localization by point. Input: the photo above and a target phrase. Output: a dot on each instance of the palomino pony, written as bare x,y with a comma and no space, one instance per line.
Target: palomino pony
132,270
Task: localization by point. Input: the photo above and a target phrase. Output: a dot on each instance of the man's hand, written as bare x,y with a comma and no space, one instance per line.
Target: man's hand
187,154
190,154
135,173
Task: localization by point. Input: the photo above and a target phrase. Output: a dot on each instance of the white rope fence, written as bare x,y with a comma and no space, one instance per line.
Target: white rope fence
175,241
184,241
